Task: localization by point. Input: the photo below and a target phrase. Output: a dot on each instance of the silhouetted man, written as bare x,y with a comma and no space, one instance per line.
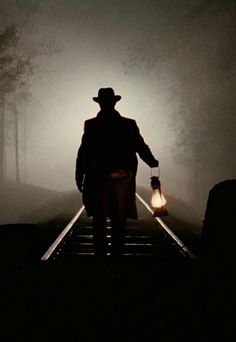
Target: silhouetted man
106,168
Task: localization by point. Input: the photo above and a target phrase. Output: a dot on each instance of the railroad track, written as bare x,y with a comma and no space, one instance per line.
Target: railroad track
147,236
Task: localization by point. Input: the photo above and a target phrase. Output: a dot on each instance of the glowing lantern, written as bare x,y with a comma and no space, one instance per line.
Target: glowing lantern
158,200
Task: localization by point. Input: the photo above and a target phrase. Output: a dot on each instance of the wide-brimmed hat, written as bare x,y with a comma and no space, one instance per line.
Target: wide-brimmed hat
106,94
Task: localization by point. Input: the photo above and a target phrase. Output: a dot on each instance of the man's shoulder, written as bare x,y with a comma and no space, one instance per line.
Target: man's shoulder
124,119
128,121
90,122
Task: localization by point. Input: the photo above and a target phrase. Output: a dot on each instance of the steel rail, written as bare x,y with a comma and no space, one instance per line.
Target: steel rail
68,227
65,231
168,230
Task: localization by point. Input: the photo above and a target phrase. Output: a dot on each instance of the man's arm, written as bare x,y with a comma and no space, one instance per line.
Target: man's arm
143,149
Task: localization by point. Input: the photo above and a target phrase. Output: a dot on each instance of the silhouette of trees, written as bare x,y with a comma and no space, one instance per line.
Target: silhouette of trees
17,65
14,70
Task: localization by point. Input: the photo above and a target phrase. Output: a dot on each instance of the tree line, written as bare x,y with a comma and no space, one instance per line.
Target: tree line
16,68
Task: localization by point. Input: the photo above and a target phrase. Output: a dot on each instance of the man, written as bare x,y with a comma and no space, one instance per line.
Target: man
106,168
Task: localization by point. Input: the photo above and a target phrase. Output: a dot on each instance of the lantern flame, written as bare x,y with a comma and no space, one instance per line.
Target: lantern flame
158,200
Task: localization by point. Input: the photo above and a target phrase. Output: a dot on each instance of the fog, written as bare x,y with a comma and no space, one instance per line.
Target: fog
173,63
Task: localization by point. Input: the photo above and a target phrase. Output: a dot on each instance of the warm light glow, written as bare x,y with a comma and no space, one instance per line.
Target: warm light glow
158,200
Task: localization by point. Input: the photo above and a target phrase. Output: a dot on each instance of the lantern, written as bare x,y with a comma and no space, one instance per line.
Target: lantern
158,200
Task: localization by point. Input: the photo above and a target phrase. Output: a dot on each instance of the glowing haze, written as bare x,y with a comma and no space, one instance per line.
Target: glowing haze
173,63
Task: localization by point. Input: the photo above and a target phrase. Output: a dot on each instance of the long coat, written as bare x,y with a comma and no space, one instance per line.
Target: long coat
109,143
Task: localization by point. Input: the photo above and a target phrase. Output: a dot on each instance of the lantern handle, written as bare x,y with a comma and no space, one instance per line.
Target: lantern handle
159,171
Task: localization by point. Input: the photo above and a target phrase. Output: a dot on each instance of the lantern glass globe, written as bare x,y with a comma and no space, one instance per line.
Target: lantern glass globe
158,200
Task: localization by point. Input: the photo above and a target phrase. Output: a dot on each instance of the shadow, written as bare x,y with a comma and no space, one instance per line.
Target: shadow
217,257
20,247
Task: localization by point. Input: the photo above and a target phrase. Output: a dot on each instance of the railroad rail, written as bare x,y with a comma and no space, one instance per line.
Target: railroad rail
69,227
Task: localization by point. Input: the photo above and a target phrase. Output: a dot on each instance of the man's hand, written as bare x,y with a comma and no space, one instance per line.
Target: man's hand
79,183
79,178
80,187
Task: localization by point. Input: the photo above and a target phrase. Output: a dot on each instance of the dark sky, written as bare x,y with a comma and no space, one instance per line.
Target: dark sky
173,63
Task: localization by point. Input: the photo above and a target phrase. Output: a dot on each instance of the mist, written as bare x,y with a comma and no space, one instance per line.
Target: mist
173,63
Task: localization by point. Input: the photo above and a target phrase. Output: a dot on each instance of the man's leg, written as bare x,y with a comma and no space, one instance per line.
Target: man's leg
119,212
